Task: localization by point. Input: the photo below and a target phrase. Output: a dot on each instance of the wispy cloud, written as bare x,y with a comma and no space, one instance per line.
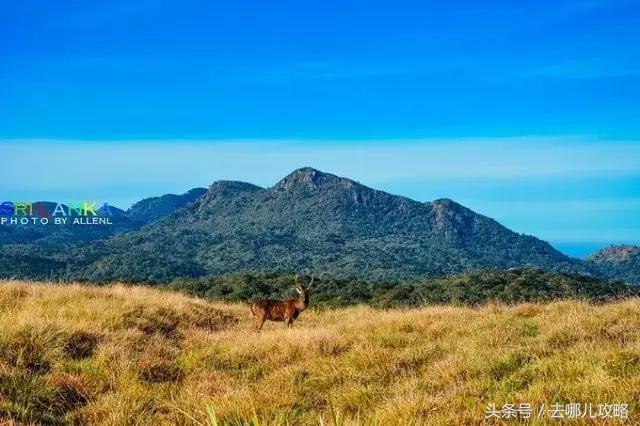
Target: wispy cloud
563,189
81,164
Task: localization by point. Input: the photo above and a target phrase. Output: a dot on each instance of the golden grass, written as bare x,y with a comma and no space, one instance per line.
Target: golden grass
134,355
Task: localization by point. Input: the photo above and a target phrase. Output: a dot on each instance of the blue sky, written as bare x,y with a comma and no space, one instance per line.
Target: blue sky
527,113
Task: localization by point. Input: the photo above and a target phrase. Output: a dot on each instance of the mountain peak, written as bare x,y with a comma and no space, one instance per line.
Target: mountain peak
616,254
307,171
306,177
447,203
228,188
621,262
232,185
153,208
452,218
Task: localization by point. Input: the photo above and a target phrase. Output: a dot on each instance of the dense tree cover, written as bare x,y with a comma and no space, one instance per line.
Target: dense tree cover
620,262
153,208
316,222
30,261
310,222
516,285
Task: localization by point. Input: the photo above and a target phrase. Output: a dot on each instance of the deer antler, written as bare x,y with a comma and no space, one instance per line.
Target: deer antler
296,285
311,284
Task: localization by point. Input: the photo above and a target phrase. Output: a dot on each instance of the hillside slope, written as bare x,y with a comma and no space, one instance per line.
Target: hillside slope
621,262
153,208
122,355
317,222
140,214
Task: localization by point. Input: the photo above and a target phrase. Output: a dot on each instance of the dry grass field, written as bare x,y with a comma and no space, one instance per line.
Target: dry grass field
132,355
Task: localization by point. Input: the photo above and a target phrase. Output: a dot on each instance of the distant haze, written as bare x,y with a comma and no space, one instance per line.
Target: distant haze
580,194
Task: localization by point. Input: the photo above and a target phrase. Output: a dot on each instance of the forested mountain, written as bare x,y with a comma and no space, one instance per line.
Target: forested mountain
154,208
619,262
309,222
317,222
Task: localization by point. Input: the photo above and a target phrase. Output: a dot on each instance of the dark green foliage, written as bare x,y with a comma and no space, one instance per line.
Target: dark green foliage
154,208
34,262
314,222
621,262
310,222
512,286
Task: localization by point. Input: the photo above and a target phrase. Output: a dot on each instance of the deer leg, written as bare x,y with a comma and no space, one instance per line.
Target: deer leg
289,322
260,323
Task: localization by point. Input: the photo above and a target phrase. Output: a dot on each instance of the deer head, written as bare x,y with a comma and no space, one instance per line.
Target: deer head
303,292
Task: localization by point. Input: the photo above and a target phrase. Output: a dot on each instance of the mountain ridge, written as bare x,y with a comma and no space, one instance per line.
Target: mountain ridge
319,222
617,261
309,221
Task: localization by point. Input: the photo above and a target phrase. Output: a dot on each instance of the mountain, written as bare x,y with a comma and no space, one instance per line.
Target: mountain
140,214
309,222
617,255
318,223
154,208
621,262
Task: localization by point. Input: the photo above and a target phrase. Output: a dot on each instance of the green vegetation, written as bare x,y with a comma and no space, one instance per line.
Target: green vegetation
620,262
513,286
72,354
316,222
310,221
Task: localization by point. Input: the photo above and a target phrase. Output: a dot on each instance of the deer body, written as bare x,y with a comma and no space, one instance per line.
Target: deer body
281,310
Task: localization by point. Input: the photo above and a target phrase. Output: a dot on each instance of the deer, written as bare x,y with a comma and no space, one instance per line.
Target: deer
281,310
